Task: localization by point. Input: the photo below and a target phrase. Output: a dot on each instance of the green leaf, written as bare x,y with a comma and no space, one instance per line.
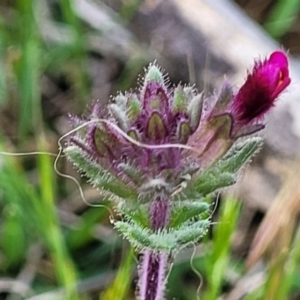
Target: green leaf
211,181
239,154
137,214
163,240
192,233
98,177
137,236
183,211
132,172
224,173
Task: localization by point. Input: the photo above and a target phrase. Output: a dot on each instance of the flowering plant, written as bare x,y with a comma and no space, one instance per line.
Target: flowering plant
160,152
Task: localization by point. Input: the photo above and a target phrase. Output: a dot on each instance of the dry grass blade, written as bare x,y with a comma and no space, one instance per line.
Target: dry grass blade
276,231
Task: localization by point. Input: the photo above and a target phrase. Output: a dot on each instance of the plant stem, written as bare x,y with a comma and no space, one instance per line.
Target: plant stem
159,213
153,266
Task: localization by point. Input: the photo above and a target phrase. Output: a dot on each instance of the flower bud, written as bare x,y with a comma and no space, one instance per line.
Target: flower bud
261,88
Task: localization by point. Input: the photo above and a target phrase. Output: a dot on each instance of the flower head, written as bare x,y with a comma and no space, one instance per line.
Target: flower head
133,149
155,115
263,85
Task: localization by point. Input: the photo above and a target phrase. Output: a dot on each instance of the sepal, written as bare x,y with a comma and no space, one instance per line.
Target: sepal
134,107
179,101
224,99
120,116
194,111
154,75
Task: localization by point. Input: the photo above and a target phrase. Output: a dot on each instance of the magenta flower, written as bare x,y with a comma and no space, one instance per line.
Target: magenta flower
258,94
235,114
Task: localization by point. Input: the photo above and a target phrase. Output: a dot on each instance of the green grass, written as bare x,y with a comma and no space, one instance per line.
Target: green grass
83,246
217,259
282,17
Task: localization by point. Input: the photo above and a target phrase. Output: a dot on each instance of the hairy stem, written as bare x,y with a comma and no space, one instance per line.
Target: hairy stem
153,264
159,213
152,275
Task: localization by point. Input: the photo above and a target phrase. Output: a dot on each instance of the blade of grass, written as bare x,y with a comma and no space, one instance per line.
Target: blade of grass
3,89
118,290
28,67
275,238
216,262
82,234
64,267
282,17
38,216
291,271
12,234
